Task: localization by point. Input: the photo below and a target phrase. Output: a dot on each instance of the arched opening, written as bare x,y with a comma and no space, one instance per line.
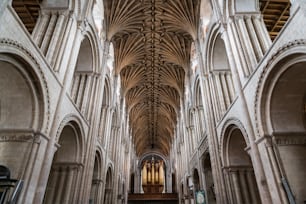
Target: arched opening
64,179
285,109
108,187
18,96
208,180
200,116
174,189
105,113
221,76
153,179
83,78
132,183
113,137
192,138
21,113
239,172
96,186
196,181
219,57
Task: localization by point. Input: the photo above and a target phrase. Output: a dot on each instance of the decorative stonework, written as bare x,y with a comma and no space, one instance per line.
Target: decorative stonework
19,137
46,96
284,139
65,121
266,70
236,123
194,160
203,146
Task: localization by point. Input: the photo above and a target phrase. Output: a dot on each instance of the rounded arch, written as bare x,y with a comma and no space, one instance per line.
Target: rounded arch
97,177
280,113
73,132
238,166
85,60
107,90
149,154
33,77
75,122
66,165
229,125
21,96
98,164
196,180
287,60
234,145
216,54
209,185
109,183
198,102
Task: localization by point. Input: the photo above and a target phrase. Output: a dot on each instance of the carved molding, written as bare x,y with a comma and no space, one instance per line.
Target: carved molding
17,45
20,136
284,139
203,146
266,70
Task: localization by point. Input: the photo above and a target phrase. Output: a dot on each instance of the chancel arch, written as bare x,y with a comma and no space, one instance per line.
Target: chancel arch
67,166
282,118
238,169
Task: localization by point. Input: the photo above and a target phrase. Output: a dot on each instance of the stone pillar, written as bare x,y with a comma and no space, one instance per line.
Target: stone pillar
67,192
244,185
55,41
237,188
61,184
252,186
50,193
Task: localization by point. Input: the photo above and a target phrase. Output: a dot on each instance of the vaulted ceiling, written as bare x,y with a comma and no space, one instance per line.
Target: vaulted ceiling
152,42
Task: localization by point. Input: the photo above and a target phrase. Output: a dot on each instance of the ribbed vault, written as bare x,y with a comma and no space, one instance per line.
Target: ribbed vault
152,41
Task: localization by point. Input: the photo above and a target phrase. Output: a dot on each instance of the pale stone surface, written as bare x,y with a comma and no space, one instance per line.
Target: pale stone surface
66,127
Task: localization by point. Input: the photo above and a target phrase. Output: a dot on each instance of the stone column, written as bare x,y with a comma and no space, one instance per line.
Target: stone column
70,171
55,41
49,195
237,188
61,184
244,185
252,186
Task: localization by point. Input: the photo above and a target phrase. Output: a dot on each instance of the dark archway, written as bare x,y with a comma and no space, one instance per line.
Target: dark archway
209,180
108,187
238,169
283,116
64,180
